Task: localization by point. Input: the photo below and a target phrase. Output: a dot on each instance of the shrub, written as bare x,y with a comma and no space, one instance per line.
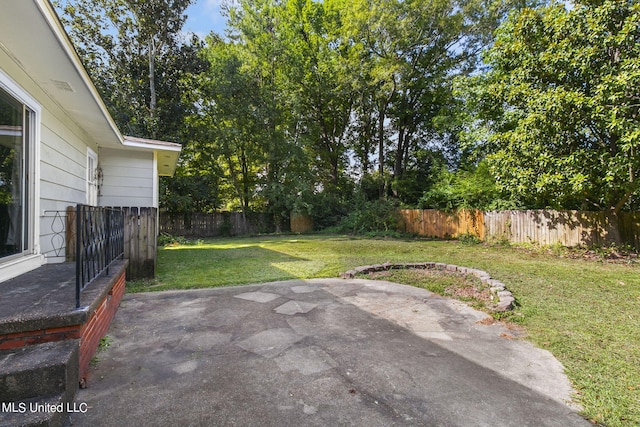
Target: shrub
372,216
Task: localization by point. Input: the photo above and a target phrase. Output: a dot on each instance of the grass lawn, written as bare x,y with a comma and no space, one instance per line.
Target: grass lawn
587,313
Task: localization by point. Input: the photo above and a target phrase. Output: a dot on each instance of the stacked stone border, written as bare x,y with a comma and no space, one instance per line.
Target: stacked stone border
506,301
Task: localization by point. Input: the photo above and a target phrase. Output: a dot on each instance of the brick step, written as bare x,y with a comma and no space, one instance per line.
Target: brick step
35,373
50,411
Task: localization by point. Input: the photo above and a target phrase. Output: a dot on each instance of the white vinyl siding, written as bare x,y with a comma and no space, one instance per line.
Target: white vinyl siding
63,181
127,178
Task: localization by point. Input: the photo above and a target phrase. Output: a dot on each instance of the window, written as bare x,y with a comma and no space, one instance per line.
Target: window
17,198
15,176
92,177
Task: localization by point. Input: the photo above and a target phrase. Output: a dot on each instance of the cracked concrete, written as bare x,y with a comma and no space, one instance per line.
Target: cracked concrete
319,352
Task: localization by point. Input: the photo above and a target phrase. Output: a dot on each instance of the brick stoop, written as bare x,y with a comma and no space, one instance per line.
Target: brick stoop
46,344
38,383
38,307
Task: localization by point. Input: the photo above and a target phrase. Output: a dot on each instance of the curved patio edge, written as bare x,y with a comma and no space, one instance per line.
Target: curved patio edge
506,300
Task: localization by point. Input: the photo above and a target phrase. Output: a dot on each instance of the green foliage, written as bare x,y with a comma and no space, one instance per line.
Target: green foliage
165,239
422,172
372,216
103,345
466,189
188,193
299,99
469,239
134,53
560,104
300,88
327,209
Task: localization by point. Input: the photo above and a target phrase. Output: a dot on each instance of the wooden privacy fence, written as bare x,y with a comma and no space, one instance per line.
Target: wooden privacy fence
544,227
212,224
441,224
300,223
140,240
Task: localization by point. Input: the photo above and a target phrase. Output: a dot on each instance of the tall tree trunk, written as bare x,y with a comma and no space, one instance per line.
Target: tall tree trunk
152,86
245,186
382,114
381,117
397,166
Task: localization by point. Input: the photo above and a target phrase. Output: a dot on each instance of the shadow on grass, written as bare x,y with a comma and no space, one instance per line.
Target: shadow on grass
208,266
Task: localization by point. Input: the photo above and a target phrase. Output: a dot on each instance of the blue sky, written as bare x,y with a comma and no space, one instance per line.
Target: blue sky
205,16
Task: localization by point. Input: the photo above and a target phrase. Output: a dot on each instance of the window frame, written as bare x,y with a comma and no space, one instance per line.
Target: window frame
32,177
92,178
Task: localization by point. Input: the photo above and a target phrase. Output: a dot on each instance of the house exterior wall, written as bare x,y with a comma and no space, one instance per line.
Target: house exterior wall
70,123
60,172
63,169
129,178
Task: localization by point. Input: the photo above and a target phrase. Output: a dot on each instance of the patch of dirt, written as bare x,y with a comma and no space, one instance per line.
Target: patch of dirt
487,321
469,292
617,256
379,274
465,288
517,331
507,336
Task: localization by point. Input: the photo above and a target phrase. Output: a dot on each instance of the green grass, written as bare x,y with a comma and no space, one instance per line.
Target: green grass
586,313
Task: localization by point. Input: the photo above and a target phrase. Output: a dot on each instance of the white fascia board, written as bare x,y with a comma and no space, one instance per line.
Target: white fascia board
149,144
165,153
50,15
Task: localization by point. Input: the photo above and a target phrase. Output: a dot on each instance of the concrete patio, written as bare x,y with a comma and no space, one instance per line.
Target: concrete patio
318,352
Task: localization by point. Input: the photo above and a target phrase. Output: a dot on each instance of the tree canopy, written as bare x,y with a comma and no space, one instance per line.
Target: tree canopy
340,93
561,104
135,54
309,105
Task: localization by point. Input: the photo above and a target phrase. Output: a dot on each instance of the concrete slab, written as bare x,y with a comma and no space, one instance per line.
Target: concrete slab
294,307
303,289
368,353
258,296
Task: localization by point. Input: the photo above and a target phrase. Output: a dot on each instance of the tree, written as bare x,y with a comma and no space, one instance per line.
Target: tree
303,96
472,188
561,104
257,31
318,79
410,53
135,55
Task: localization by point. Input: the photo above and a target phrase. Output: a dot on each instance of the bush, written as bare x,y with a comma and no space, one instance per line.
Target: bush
468,189
327,210
165,239
469,239
372,217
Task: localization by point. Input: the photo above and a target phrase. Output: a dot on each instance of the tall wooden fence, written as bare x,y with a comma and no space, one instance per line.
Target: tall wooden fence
444,225
545,227
140,240
213,224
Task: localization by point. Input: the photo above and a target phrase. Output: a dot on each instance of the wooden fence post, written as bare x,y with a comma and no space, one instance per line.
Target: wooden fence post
140,242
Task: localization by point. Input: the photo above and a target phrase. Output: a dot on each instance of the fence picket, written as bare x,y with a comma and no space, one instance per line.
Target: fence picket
213,224
545,227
